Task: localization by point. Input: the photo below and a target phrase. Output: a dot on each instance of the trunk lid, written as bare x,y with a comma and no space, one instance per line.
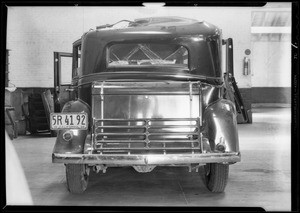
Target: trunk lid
142,117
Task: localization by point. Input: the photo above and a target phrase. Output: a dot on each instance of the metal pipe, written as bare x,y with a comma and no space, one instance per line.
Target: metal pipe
200,105
143,127
150,119
118,159
102,103
191,100
152,141
150,148
56,82
229,56
145,133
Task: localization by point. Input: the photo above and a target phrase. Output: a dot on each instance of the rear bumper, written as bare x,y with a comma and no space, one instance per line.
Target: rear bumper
130,160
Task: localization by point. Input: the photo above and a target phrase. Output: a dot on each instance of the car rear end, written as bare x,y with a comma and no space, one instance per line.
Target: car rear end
147,123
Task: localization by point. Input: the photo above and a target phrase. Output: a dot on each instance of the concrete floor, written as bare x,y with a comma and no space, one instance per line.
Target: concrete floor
262,179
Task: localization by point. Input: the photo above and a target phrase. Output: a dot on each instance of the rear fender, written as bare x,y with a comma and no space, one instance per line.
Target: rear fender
76,144
219,121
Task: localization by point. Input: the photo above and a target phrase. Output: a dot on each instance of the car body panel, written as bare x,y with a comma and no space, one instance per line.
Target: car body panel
158,115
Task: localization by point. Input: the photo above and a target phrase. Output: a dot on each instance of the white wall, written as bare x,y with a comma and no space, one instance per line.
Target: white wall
271,66
35,32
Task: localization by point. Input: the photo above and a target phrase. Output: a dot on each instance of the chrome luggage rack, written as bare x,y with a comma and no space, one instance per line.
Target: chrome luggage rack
147,136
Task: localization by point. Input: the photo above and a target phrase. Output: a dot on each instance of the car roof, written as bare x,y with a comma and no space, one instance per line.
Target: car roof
159,25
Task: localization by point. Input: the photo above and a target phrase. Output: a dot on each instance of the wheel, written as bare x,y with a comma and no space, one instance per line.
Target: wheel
77,177
216,176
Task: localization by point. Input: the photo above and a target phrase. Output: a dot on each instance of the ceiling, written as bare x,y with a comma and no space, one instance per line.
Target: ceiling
271,18
267,19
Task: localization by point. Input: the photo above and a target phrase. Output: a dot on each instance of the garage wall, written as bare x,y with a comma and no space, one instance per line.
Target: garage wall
32,36
271,64
271,75
35,32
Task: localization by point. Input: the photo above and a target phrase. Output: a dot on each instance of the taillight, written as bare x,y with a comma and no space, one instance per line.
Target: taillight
68,135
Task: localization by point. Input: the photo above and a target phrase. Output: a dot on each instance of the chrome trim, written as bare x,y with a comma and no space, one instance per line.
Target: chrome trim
135,75
93,122
201,142
146,88
102,101
146,136
131,160
200,105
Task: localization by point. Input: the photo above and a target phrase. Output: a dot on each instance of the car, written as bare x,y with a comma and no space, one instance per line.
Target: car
151,93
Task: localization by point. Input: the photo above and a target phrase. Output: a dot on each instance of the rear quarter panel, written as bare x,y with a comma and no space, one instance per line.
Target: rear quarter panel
219,120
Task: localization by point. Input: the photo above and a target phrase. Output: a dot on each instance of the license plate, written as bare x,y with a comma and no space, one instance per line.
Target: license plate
68,121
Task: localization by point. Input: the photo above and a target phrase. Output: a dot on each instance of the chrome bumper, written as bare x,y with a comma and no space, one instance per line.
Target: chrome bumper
129,160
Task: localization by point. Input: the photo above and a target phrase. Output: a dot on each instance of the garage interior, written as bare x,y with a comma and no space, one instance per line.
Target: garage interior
261,179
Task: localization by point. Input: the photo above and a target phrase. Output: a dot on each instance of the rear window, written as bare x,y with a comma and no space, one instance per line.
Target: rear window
147,54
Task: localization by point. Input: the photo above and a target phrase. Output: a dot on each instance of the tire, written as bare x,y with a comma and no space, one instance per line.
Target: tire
77,177
216,176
